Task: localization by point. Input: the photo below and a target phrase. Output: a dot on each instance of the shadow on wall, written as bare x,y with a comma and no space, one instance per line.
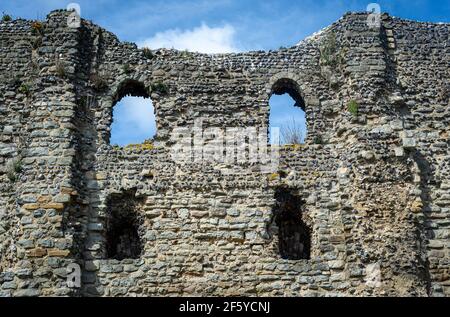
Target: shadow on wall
124,226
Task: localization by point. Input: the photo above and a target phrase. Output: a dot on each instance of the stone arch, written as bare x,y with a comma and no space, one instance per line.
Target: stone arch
295,129
291,76
292,83
286,82
130,87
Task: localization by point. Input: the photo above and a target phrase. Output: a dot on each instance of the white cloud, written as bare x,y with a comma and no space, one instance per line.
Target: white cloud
203,39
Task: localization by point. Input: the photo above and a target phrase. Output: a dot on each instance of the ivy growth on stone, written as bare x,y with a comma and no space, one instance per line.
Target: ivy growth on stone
14,167
160,87
148,53
6,17
318,139
185,54
24,89
353,107
37,42
127,69
329,53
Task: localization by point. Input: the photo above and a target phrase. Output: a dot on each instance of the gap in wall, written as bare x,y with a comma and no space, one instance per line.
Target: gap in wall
294,235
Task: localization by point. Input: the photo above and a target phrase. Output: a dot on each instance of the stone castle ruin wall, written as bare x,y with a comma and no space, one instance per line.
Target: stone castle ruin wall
369,191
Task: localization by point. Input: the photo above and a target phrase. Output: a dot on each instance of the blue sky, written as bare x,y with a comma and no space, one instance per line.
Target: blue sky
256,24
212,26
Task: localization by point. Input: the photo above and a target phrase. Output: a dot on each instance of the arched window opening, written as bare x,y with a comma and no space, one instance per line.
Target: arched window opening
294,235
134,119
123,223
287,113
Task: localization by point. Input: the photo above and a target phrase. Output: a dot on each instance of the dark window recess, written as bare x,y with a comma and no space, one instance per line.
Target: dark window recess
293,234
123,222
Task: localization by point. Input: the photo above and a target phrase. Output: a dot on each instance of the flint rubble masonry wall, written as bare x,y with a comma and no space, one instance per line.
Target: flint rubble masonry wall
375,183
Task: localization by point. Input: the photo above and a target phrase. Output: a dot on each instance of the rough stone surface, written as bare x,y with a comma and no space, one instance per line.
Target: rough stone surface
375,184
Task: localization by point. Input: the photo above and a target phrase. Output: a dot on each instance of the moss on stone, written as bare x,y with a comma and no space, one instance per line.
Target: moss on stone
353,107
6,17
160,87
145,146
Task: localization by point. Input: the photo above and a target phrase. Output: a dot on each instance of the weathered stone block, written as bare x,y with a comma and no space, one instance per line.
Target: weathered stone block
37,252
409,143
